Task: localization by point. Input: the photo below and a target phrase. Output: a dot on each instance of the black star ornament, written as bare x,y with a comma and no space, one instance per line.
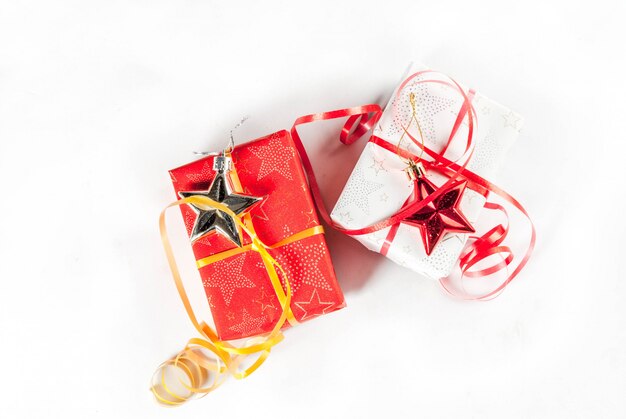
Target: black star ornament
209,220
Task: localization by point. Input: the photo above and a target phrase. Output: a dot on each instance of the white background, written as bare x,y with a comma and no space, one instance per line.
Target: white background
98,99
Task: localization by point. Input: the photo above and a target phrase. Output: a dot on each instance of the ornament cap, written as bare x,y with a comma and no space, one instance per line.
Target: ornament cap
415,170
222,163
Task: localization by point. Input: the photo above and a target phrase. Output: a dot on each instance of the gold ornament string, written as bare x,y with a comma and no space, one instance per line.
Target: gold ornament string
405,131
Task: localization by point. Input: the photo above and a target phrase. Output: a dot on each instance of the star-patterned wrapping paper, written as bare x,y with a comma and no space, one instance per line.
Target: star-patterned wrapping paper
378,185
238,289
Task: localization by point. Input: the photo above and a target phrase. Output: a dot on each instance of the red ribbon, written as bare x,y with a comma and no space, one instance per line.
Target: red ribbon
479,248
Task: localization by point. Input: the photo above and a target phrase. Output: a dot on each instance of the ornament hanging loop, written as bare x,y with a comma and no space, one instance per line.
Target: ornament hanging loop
412,164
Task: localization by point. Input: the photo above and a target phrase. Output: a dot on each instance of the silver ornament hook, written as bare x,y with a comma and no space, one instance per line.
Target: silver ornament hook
231,142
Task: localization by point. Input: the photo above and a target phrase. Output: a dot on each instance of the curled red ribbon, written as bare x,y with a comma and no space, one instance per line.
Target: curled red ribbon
478,248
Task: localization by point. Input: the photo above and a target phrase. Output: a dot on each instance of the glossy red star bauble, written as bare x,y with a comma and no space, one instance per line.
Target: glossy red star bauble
439,216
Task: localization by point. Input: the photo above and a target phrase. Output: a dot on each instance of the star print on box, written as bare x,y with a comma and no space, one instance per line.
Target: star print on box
302,264
486,155
249,325
259,212
512,120
439,259
310,217
243,165
206,173
228,277
357,192
264,301
378,237
314,306
428,106
378,165
211,219
345,217
440,215
275,157
190,219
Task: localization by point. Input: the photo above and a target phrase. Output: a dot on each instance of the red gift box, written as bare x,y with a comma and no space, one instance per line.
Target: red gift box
239,291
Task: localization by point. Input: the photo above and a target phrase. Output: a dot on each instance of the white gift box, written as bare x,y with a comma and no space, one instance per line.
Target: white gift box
378,186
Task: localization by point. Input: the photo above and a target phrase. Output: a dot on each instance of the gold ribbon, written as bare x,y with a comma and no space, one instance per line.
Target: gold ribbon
210,356
201,263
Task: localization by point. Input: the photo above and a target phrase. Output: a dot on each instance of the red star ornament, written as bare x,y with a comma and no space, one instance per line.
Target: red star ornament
441,215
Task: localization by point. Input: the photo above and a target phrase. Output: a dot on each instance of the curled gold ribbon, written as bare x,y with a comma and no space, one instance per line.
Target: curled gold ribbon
209,356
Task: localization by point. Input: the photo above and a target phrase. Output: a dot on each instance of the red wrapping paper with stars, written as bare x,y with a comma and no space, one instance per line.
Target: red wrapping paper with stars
238,289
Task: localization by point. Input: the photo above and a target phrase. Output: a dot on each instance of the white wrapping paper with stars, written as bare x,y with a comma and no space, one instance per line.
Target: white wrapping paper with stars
378,186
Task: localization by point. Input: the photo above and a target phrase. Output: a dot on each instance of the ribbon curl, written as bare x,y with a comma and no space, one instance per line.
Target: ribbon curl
206,356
